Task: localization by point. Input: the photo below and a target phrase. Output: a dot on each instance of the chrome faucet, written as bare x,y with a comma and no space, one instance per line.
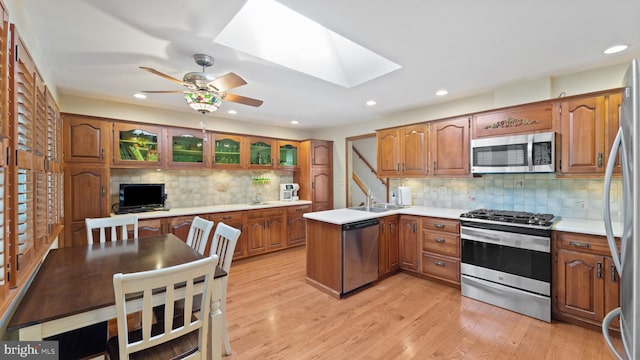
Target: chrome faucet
368,203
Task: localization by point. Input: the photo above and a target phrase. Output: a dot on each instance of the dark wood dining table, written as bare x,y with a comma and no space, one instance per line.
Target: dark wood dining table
73,287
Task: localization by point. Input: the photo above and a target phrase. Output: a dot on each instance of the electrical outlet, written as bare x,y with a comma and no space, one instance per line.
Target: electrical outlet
519,183
442,190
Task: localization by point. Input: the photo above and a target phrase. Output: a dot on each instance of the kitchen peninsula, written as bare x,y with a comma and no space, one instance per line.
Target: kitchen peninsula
421,241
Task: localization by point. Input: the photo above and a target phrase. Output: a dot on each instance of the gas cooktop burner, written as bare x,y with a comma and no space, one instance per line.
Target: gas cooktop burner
511,217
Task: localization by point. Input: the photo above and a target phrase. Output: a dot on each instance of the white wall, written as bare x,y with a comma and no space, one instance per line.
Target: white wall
514,94
192,119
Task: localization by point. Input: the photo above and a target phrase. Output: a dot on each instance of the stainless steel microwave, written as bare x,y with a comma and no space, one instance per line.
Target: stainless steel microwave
529,153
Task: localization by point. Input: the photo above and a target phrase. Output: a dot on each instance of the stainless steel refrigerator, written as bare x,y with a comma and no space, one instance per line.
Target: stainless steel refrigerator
627,262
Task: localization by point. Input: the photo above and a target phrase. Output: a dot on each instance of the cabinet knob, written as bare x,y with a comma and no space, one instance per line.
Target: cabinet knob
439,263
439,240
438,226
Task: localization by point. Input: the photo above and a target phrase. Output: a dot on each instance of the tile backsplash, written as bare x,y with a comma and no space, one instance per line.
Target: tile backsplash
540,193
192,188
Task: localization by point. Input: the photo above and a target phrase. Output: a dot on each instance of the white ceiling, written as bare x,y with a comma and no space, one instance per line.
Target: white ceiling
93,48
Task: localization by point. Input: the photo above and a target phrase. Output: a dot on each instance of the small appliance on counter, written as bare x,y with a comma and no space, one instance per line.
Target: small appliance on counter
289,192
404,196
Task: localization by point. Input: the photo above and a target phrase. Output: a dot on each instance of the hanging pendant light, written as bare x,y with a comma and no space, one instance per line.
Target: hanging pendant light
203,101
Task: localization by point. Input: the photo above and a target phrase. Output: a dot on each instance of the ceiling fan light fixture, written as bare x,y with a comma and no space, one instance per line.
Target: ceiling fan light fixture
202,101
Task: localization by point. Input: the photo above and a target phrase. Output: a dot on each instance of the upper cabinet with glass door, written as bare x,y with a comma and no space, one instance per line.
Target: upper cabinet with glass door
136,145
187,148
261,152
288,154
228,151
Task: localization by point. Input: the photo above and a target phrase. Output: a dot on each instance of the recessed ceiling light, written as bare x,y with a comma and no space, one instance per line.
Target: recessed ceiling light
295,122
442,92
232,112
139,96
371,102
616,48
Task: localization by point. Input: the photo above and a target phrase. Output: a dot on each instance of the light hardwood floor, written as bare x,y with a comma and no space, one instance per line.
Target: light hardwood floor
274,314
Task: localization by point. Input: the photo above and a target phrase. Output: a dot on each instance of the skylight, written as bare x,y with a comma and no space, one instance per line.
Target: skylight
273,32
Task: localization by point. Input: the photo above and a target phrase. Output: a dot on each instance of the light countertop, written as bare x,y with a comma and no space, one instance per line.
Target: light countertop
344,216
214,209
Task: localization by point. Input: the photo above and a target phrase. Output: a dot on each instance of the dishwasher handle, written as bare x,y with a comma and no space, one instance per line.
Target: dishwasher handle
360,224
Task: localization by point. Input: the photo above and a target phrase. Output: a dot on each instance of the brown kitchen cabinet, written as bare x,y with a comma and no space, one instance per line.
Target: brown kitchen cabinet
235,219
449,147
440,249
403,151
296,224
288,155
137,145
614,107
585,282
520,119
150,227
408,242
588,127
261,152
186,148
265,230
583,135
80,184
228,151
388,245
86,139
180,225
316,173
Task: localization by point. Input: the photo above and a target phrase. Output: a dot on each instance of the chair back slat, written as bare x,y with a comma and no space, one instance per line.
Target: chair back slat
199,234
168,284
117,227
224,243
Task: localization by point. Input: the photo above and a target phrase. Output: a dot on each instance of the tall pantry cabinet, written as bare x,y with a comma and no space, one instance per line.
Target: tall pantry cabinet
86,175
316,173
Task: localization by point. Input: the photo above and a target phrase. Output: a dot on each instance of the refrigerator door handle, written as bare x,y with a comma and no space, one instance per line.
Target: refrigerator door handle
606,198
605,332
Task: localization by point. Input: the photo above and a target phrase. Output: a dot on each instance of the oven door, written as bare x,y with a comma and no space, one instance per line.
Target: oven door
513,259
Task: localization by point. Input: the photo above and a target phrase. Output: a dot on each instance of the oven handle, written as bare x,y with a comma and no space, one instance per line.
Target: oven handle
530,152
522,241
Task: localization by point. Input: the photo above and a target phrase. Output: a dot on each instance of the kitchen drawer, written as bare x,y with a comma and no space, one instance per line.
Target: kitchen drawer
593,244
226,217
265,213
441,267
441,243
301,209
448,225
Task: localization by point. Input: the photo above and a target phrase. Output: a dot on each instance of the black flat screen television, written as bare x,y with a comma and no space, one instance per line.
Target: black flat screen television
141,197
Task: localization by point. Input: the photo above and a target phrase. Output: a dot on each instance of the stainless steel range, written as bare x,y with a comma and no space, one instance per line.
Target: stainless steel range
506,260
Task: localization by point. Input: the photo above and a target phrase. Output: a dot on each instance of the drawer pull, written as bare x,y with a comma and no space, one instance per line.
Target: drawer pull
227,217
439,263
440,240
580,244
438,226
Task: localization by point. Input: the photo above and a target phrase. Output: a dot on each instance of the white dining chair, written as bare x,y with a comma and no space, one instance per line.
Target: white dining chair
117,226
199,234
223,246
164,340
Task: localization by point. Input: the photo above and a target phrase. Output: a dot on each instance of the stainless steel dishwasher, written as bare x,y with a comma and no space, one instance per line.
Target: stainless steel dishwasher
359,254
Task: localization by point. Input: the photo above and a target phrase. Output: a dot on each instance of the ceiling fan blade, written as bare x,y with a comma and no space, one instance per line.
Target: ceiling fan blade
163,91
242,100
227,82
156,72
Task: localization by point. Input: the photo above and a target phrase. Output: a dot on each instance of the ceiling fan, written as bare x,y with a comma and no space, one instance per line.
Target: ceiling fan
205,92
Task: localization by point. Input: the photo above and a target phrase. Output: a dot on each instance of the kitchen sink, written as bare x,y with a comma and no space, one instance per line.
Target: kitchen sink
377,208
